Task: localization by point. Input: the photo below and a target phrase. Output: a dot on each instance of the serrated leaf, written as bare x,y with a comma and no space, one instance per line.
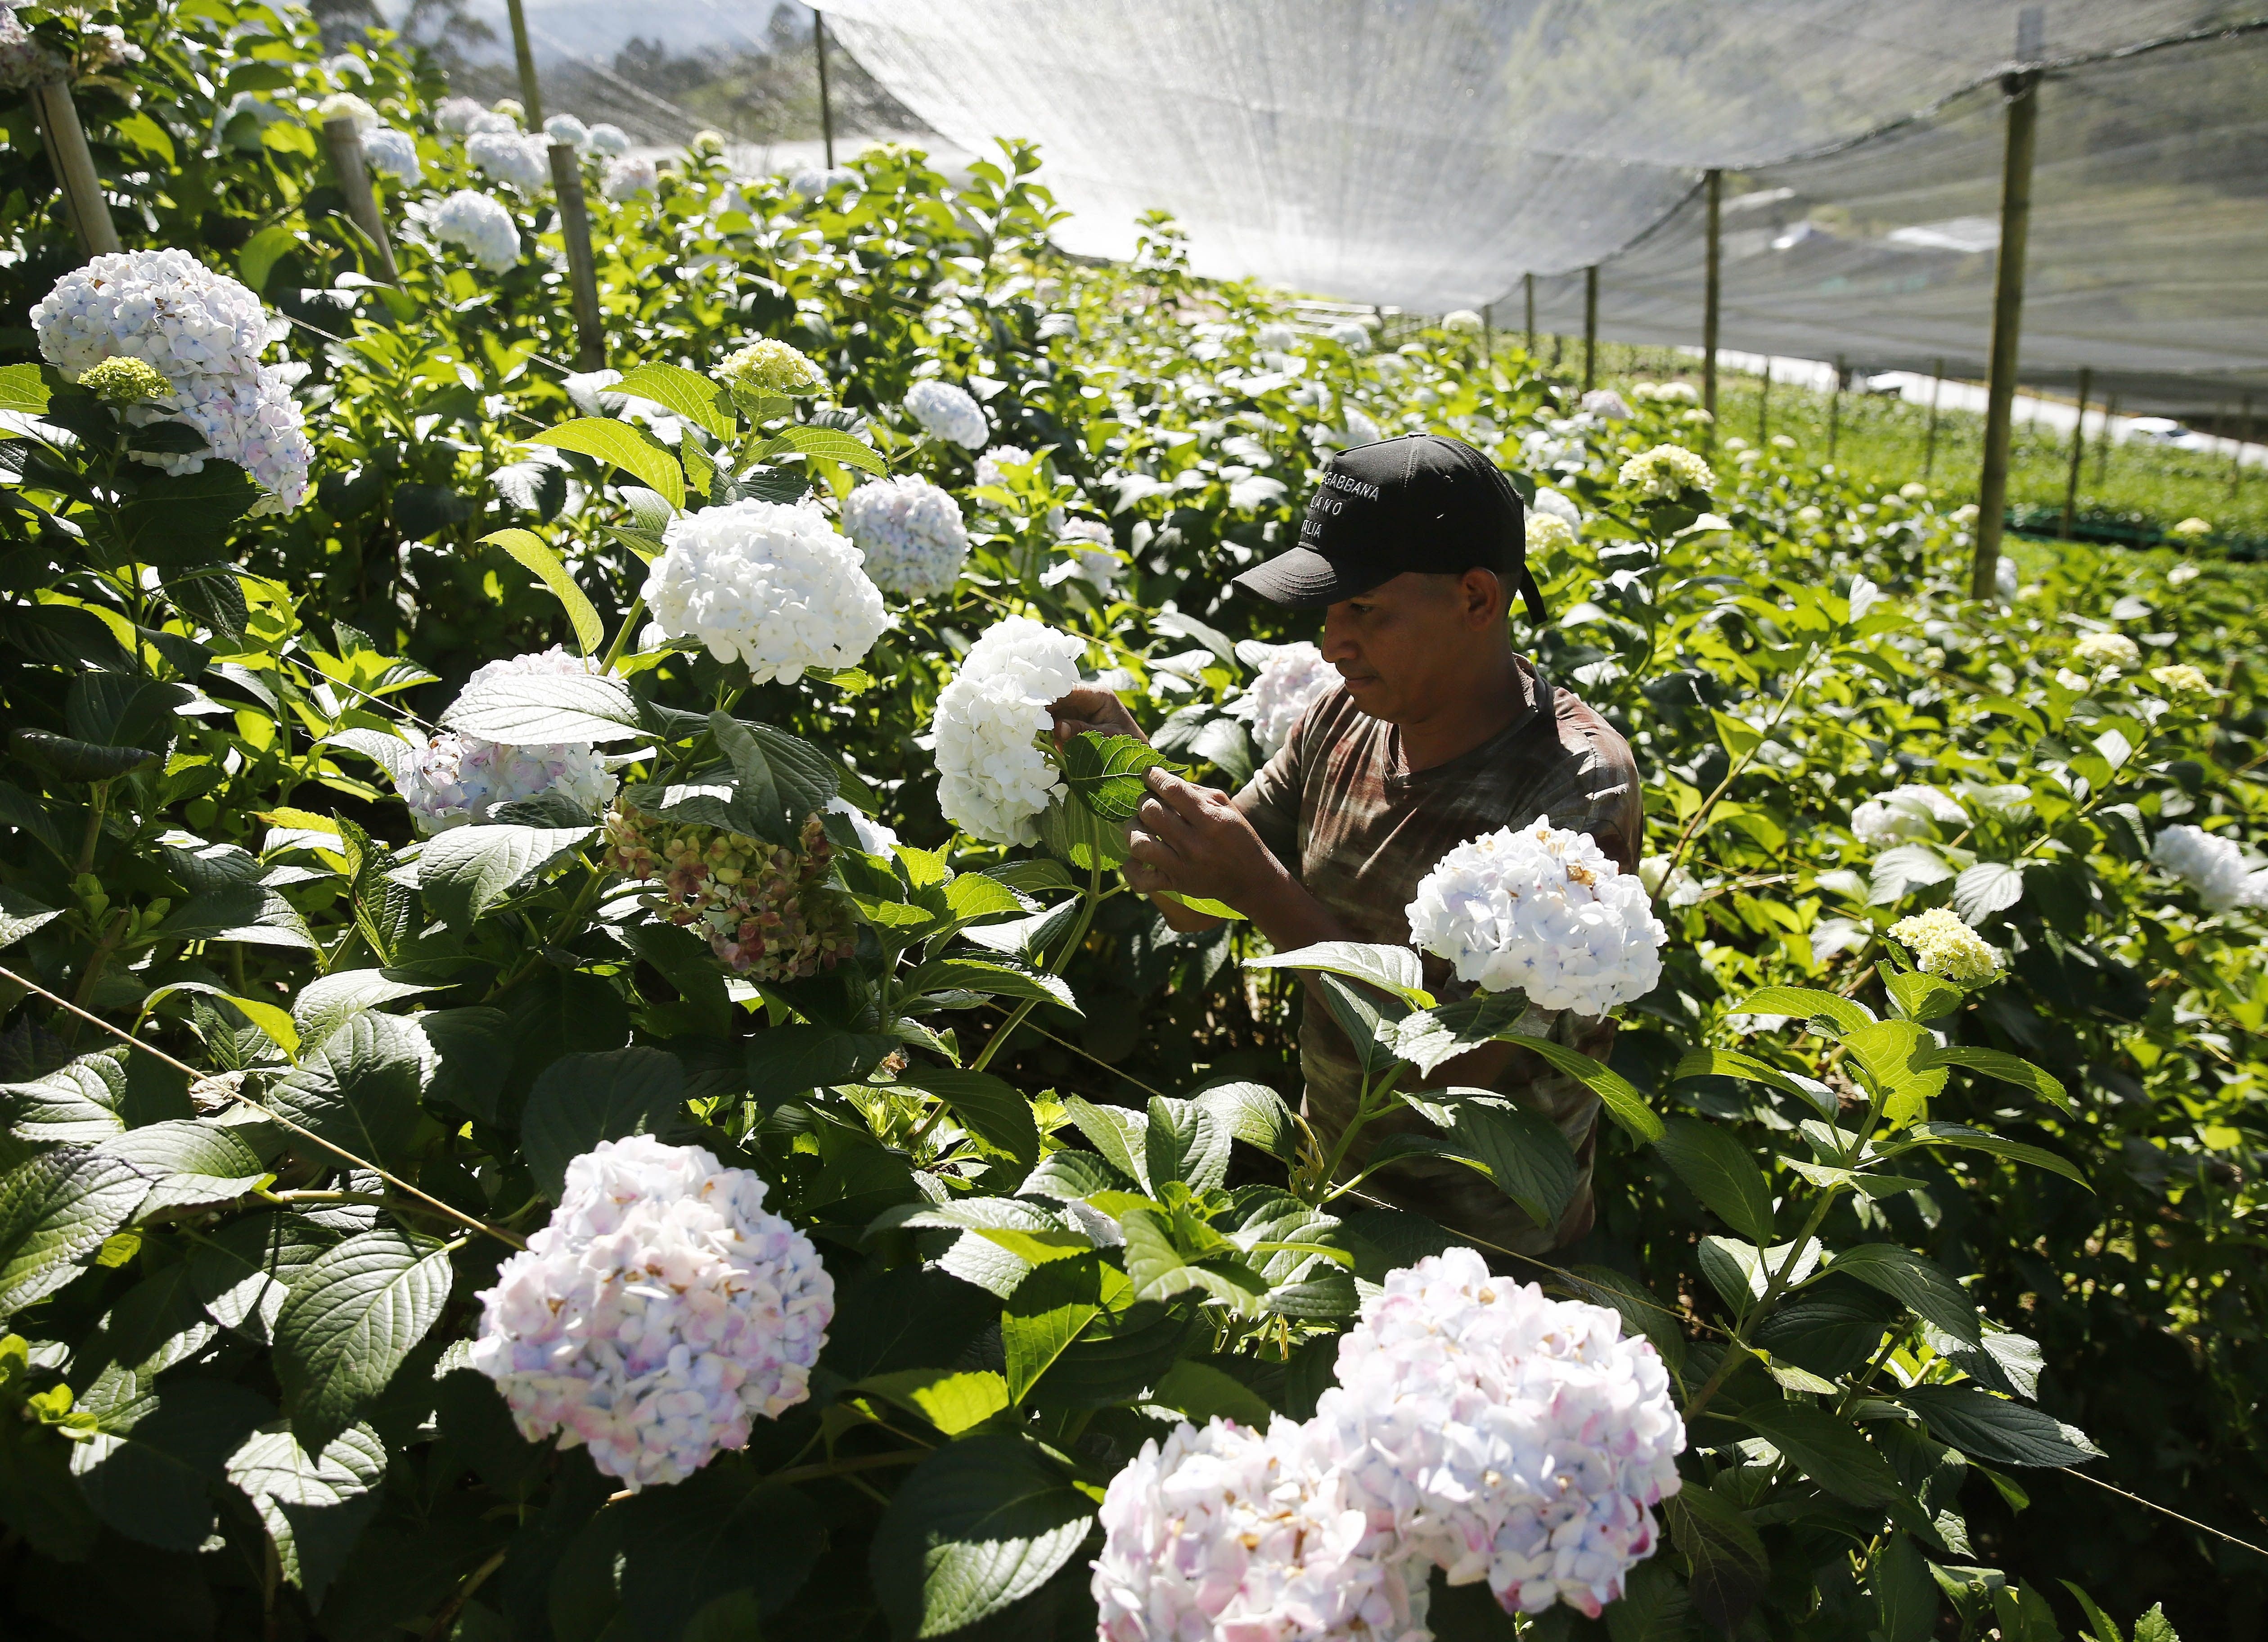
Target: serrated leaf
1917,1283
1719,1170
979,1524
1996,1431
21,388
1526,1155
1051,1306
1393,969
1161,1270
314,1507
1897,873
684,393
988,1106
187,1164
1623,1102
466,870
326,1002
581,1098
1915,996
1733,1064
1898,1057
1105,773
1256,1115
158,1448
1806,1004
359,1089
523,709
1202,1392
834,445
1119,1135
635,452
952,1402
21,916
1078,836
241,1271
1830,1450
1185,1142
530,551
1729,1564
55,1210
1999,1065
350,1320
77,1104
1978,1140
784,1061
1987,888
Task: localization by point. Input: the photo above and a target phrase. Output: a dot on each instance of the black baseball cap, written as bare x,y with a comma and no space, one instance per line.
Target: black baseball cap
1422,502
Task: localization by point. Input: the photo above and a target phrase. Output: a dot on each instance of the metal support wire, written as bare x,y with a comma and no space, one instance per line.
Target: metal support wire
2022,91
2078,455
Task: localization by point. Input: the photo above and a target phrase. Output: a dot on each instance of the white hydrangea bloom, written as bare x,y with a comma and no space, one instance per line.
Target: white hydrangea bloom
346,105
163,307
911,533
606,137
1606,404
1943,945
1542,909
628,175
814,181
459,114
1089,545
1350,334
455,779
1360,429
23,60
2215,867
660,1313
874,837
1504,1436
2179,678
1553,504
947,412
770,585
1276,337
481,226
1665,471
568,130
2003,577
2182,575
1548,533
1462,322
204,333
2107,650
2193,527
1225,1535
992,781
513,157
393,153
989,465
1904,813
1291,680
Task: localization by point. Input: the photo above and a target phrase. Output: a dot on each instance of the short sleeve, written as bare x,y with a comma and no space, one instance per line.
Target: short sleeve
1597,791
1271,802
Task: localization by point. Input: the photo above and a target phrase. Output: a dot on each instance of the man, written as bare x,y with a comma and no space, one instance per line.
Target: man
1438,732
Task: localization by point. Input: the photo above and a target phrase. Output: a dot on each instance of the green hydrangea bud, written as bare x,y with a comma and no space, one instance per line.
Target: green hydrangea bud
771,366
124,381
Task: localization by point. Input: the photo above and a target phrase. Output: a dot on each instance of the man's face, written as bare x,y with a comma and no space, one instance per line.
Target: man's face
1402,646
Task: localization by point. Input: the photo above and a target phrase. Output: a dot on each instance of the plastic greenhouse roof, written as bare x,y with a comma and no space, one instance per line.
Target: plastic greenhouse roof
1427,153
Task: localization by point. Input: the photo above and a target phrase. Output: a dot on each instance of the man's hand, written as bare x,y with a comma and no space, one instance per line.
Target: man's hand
1098,711
1194,841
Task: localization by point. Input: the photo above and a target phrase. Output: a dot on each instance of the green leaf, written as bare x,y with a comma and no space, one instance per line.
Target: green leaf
1161,1270
2104,1628
1729,1565
1623,1103
1119,1135
784,1062
187,1164
21,388
952,1402
1526,1155
1978,1140
523,709
1996,1431
350,1319
834,445
1987,888
529,550
1047,1312
1806,1004
1719,1171
1655,1608
1999,1065
159,1446
71,760
1255,1113
993,1110
1921,1287
241,1271
1897,873
979,1524
77,1104
582,1098
314,1507
1906,1596
56,1209
21,916
260,253
992,980
1429,1037
1918,997
1078,836
1898,1057
1733,1064
634,451
684,393
1394,970
359,1089
328,1001
1105,772
1830,1451
2154,1626
1185,1142
723,1531
1201,1391
466,870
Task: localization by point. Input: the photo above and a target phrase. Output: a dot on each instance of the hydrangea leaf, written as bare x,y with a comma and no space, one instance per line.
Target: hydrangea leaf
529,550
466,870
1394,970
1719,1171
314,1507
1998,1063
187,1163
834,445
682,392
988,1107
158,1447
1997,1431
979,1524
1105,772
55,1210
350,1320
537,710
634,451
1918,1285
582,1098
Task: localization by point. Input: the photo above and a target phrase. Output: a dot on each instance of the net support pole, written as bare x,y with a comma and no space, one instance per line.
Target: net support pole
826,104
2102,445
1527,284
1709,294
2022,92
1488,334
1763,407
523,55
342,138
2078,455
1835,407
1929,439
582,269
1590,326
73,164
2236,457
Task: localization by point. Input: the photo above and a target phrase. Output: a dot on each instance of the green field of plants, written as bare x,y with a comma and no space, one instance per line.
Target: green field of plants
578,1067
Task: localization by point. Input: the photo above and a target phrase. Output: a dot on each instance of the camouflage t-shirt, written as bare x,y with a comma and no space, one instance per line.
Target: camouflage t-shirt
1358,829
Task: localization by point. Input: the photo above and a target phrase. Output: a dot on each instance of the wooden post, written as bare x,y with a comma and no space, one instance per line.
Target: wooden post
826,108
2102,445
582,268
1929,439
2022,91
343,138
531,99
1590,326
1527,283
1835,409
1764,407
2077,454
69,157
1709,306
1488,334
2244,438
